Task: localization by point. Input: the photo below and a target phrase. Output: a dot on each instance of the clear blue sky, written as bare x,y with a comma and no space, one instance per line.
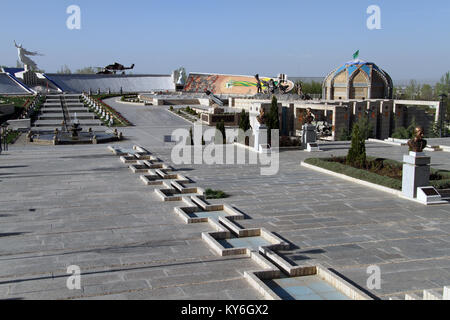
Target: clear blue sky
300,38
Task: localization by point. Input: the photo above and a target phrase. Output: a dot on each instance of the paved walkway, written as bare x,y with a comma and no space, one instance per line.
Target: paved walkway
79,205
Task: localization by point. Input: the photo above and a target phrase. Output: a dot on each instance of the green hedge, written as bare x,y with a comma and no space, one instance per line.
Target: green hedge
356,173
12,136
215,194
368,176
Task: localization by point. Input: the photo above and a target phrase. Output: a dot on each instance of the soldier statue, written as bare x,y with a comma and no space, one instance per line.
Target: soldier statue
258,83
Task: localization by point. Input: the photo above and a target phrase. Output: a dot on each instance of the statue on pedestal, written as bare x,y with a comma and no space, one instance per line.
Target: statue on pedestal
27,62
258,83
309,116
417,144
262,117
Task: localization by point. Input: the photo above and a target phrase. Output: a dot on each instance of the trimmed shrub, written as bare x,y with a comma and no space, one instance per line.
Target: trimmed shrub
343,135
440,179
215,194
356,173
357,154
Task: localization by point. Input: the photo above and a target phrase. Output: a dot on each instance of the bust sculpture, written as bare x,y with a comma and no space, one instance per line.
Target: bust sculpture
417,144
262,116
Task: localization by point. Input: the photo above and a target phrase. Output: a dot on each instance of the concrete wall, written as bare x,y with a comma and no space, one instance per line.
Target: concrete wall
6,109
384,128
21,124
384,115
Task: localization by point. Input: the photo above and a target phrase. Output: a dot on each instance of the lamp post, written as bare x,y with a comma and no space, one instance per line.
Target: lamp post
443,96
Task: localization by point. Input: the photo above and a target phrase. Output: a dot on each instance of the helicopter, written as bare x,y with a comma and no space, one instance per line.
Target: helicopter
113,68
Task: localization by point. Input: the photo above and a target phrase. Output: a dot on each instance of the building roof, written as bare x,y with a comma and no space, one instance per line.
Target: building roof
9,86
77,83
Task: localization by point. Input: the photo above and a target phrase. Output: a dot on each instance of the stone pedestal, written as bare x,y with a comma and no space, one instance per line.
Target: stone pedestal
416,173
30,78
309,134
313,147
260,138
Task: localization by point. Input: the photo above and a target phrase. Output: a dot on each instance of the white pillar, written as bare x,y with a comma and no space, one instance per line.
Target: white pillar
416,173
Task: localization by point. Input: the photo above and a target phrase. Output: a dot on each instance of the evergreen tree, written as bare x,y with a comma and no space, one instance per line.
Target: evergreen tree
412,128
191,138
365,127
220,126
273,119
357,154
244,121
344,135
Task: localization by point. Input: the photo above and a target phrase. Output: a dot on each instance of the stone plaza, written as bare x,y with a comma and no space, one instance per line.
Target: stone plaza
80,205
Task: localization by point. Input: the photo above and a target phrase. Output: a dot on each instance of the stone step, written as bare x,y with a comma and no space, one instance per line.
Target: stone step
56,123
432,294
412,296
52,129
59,110
61,117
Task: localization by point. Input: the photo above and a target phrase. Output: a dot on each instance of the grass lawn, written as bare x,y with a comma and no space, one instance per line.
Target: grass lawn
17,101
385,172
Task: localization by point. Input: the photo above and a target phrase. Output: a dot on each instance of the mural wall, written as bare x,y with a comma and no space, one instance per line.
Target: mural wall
223,84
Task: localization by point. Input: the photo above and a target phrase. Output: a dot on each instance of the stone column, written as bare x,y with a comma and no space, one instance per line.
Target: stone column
260,137
416,173
309,134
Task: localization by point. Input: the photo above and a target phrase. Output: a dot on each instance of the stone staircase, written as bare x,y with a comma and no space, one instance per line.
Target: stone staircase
430,294
59,108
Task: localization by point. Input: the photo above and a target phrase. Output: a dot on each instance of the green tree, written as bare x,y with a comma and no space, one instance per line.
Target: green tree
365,127
412,91
220,126
343,135
401,133
426,92
273,119
244,121
443,87
244,125
312,87
357,154
64,70
412,128
191,138
88,70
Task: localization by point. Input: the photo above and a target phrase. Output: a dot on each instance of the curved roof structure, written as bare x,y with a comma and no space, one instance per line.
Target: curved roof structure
77,83
358,79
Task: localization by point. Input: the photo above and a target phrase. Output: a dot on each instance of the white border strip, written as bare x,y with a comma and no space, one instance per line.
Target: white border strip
345,177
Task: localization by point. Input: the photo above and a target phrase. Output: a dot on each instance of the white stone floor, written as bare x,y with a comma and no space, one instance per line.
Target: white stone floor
64,205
